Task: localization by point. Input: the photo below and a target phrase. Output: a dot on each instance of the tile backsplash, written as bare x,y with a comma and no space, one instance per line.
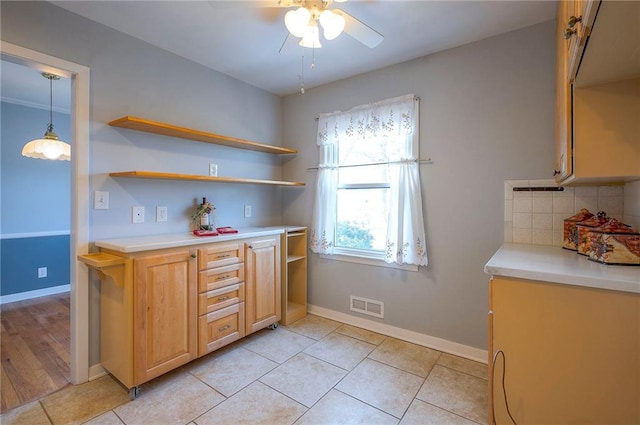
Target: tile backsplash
537,217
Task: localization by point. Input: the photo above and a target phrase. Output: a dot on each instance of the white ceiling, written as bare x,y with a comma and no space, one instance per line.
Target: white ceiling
242,38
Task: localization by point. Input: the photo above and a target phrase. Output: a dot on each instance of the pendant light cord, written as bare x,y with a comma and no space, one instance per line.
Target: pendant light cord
50,126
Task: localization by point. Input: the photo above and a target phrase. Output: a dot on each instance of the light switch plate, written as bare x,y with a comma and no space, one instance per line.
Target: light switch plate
213,170
101,200
247,211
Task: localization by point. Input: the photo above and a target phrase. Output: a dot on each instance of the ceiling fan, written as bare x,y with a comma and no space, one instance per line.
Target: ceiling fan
305,22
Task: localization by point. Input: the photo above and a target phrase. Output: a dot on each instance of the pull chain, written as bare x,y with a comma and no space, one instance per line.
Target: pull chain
302,73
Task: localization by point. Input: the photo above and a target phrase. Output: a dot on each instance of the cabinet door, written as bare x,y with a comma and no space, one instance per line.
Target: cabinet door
579,22
563,135
165,318
571,354
262,285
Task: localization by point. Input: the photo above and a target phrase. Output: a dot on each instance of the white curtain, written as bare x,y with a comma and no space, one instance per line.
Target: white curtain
395,117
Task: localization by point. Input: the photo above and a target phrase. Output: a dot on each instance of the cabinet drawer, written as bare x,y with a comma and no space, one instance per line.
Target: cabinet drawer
220,328
220,254
220,277
220,298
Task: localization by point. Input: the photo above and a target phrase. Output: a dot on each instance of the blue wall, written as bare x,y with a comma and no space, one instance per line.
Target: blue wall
22,257
36,200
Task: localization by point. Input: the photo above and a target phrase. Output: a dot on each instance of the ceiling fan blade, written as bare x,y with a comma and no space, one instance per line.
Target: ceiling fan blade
360,31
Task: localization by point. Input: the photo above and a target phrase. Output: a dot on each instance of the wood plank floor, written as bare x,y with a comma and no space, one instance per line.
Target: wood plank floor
35,348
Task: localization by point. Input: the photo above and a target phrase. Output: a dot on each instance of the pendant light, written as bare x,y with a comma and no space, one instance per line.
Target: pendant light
49,147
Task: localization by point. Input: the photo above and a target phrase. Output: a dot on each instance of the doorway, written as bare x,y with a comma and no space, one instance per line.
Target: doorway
79,227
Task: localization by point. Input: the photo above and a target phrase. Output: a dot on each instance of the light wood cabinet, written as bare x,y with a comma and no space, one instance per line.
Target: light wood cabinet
221,298
165,294
263,285
571,354
294,274
597,92
161,309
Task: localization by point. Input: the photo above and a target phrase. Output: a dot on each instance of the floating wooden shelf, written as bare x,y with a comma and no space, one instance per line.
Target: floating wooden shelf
148,126
194,177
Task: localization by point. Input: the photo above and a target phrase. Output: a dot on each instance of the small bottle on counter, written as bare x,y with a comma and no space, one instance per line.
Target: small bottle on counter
204,218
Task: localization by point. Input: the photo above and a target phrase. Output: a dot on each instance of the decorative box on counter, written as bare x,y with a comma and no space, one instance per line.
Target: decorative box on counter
614,243
582,242
570,240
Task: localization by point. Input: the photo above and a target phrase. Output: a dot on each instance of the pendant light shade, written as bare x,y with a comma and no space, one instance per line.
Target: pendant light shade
49,147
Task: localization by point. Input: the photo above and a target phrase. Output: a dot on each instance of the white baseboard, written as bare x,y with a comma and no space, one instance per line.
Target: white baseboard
21,296
96,371
435,343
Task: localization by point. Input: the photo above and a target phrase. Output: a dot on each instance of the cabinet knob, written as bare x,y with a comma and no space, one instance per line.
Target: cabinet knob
193,255
556,172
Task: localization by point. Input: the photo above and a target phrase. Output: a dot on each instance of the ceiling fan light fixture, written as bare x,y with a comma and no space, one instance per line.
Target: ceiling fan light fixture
297,21
332,23
311,37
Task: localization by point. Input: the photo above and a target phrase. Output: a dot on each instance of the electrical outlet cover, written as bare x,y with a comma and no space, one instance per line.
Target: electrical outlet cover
213,170
161,214
137,214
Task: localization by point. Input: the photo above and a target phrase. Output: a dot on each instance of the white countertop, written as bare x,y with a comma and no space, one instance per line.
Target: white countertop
148,243
557,265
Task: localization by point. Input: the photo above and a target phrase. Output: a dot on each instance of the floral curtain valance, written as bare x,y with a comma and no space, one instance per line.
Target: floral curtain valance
398,117
385,118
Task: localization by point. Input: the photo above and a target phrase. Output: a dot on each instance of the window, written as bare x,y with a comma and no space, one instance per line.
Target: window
368,200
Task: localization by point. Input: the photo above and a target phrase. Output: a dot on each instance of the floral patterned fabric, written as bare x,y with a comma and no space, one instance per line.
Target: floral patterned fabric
397,117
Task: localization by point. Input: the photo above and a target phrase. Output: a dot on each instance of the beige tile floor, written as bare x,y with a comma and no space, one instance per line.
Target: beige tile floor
315,371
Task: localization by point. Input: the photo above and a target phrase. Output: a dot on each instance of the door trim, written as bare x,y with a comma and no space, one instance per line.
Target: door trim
80,199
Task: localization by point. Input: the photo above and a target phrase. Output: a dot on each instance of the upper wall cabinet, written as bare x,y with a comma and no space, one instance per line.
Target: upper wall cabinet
598,92
164,129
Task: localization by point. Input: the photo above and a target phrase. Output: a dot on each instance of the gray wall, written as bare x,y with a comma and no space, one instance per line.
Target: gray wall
130,77
486,115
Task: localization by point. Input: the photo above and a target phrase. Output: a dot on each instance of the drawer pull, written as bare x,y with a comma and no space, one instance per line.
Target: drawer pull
224,328
224,256
226,276
226,297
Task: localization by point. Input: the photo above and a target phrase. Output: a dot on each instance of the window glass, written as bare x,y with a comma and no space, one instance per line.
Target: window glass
362,218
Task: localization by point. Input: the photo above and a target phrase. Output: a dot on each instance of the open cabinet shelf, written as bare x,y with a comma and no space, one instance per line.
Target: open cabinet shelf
294,274
193,177
164,129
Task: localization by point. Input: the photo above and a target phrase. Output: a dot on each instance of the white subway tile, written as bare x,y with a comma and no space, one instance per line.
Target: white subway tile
522,220
563,205
522,236
508,190
508,231
613,205
567,192
586,191
542,222
610,190
588,202
558,237
508,210
543,205
522,205
542,237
